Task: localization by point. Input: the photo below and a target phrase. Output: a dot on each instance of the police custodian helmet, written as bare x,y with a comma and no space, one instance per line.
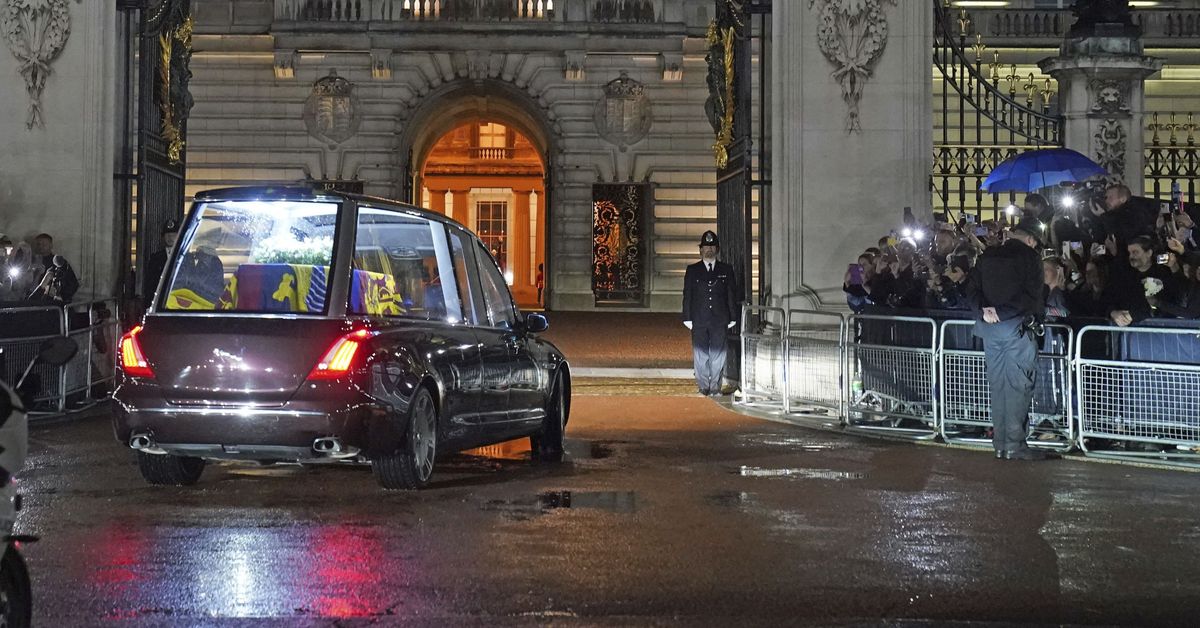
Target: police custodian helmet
709,239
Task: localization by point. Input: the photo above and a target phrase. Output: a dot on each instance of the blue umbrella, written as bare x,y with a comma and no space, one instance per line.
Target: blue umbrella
1036,169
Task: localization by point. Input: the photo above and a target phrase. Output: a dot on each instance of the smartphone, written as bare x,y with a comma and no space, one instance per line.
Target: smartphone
1164,259
970,218
1076,246
981,232
856,274
1098,249
1164,208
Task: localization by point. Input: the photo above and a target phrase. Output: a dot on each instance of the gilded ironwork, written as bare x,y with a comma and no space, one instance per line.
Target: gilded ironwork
618,249
172,21
983,120
720,103
1177,161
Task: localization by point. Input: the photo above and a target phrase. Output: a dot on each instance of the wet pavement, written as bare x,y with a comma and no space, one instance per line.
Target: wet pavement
669,511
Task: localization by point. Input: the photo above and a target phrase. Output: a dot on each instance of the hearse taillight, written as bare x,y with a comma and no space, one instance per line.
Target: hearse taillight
133,361
339,359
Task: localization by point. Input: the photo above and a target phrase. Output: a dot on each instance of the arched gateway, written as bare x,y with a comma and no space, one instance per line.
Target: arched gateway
480,151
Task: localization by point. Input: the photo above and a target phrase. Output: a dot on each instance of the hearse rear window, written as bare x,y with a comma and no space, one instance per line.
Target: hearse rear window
255,256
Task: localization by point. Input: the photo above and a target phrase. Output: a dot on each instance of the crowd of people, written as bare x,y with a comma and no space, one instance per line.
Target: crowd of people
1107,255
34,273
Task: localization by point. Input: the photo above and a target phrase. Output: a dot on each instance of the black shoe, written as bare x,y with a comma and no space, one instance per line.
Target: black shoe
1030,454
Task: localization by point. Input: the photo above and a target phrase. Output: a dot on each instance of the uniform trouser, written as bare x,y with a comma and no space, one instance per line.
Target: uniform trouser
708,353
1011,369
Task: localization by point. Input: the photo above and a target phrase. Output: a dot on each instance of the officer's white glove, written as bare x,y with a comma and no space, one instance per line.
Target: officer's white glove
687,324
731,324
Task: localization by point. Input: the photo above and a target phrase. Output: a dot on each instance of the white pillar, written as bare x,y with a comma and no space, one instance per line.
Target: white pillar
834,192
1102,98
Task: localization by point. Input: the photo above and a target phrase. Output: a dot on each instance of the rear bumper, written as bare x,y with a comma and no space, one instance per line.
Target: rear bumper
245,432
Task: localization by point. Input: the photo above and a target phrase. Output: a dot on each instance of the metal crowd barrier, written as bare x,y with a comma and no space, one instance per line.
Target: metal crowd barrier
893,373
966,397
815,370
85,380
1129,393
1138,395
762,341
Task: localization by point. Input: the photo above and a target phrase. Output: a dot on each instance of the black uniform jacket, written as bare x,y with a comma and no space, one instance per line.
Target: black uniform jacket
1008,278
709,298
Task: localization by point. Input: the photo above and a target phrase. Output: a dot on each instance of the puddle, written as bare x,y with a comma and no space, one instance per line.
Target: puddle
612,501
801,473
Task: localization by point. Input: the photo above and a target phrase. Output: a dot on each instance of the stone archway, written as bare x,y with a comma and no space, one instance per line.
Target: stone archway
464,102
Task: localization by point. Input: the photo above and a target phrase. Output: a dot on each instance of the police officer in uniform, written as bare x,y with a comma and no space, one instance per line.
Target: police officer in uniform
157,262
709,309
1006,293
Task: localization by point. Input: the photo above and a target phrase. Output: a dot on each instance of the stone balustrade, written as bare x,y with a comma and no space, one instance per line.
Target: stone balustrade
1042,27
625,11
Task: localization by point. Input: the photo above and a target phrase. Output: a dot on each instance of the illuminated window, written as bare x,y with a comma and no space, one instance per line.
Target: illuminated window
491,224
492,135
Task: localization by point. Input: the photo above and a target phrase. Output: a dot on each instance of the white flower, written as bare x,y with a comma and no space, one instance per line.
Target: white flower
1152,286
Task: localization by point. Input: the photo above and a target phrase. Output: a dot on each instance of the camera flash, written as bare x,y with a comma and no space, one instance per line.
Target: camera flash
1068,200
1010,210
919,235
906,232
14,272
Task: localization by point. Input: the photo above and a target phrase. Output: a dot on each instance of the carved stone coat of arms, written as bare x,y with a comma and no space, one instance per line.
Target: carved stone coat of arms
623,115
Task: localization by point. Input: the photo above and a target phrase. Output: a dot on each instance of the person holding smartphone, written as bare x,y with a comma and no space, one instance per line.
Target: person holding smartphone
856,281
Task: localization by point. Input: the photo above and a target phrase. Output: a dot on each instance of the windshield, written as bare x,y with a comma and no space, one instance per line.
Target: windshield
255,256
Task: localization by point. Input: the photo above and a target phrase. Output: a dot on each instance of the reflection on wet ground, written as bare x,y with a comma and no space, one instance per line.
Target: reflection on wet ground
799,473
667,510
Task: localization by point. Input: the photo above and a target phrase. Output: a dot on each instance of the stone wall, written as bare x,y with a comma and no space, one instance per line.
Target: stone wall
251,78
58,178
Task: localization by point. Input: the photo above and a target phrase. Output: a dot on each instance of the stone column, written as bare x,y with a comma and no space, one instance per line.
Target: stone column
539,234
519,243
851,146
437,201
461,211
1101,83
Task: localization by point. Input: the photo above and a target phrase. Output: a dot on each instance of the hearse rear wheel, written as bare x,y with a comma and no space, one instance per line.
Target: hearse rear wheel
411,467
548,445
170,470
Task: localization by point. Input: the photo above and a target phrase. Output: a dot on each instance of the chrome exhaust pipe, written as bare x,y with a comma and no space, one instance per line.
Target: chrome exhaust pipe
141,440
144,442
329,446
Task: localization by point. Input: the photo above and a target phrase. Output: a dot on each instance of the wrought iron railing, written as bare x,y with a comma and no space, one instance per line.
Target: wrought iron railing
981,124
1173,156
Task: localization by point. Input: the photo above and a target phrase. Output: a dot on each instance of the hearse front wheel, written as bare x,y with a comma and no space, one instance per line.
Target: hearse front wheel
169,470
411,467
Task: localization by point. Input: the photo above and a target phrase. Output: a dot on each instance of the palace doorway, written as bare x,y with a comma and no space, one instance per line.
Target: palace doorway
490,177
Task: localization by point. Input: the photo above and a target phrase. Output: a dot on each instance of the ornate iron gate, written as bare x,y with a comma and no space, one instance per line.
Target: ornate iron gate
981,124
618,243
164,50
1170,160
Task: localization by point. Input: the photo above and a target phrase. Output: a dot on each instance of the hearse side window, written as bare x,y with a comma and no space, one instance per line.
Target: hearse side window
496,296
402,267
254,256
460,241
